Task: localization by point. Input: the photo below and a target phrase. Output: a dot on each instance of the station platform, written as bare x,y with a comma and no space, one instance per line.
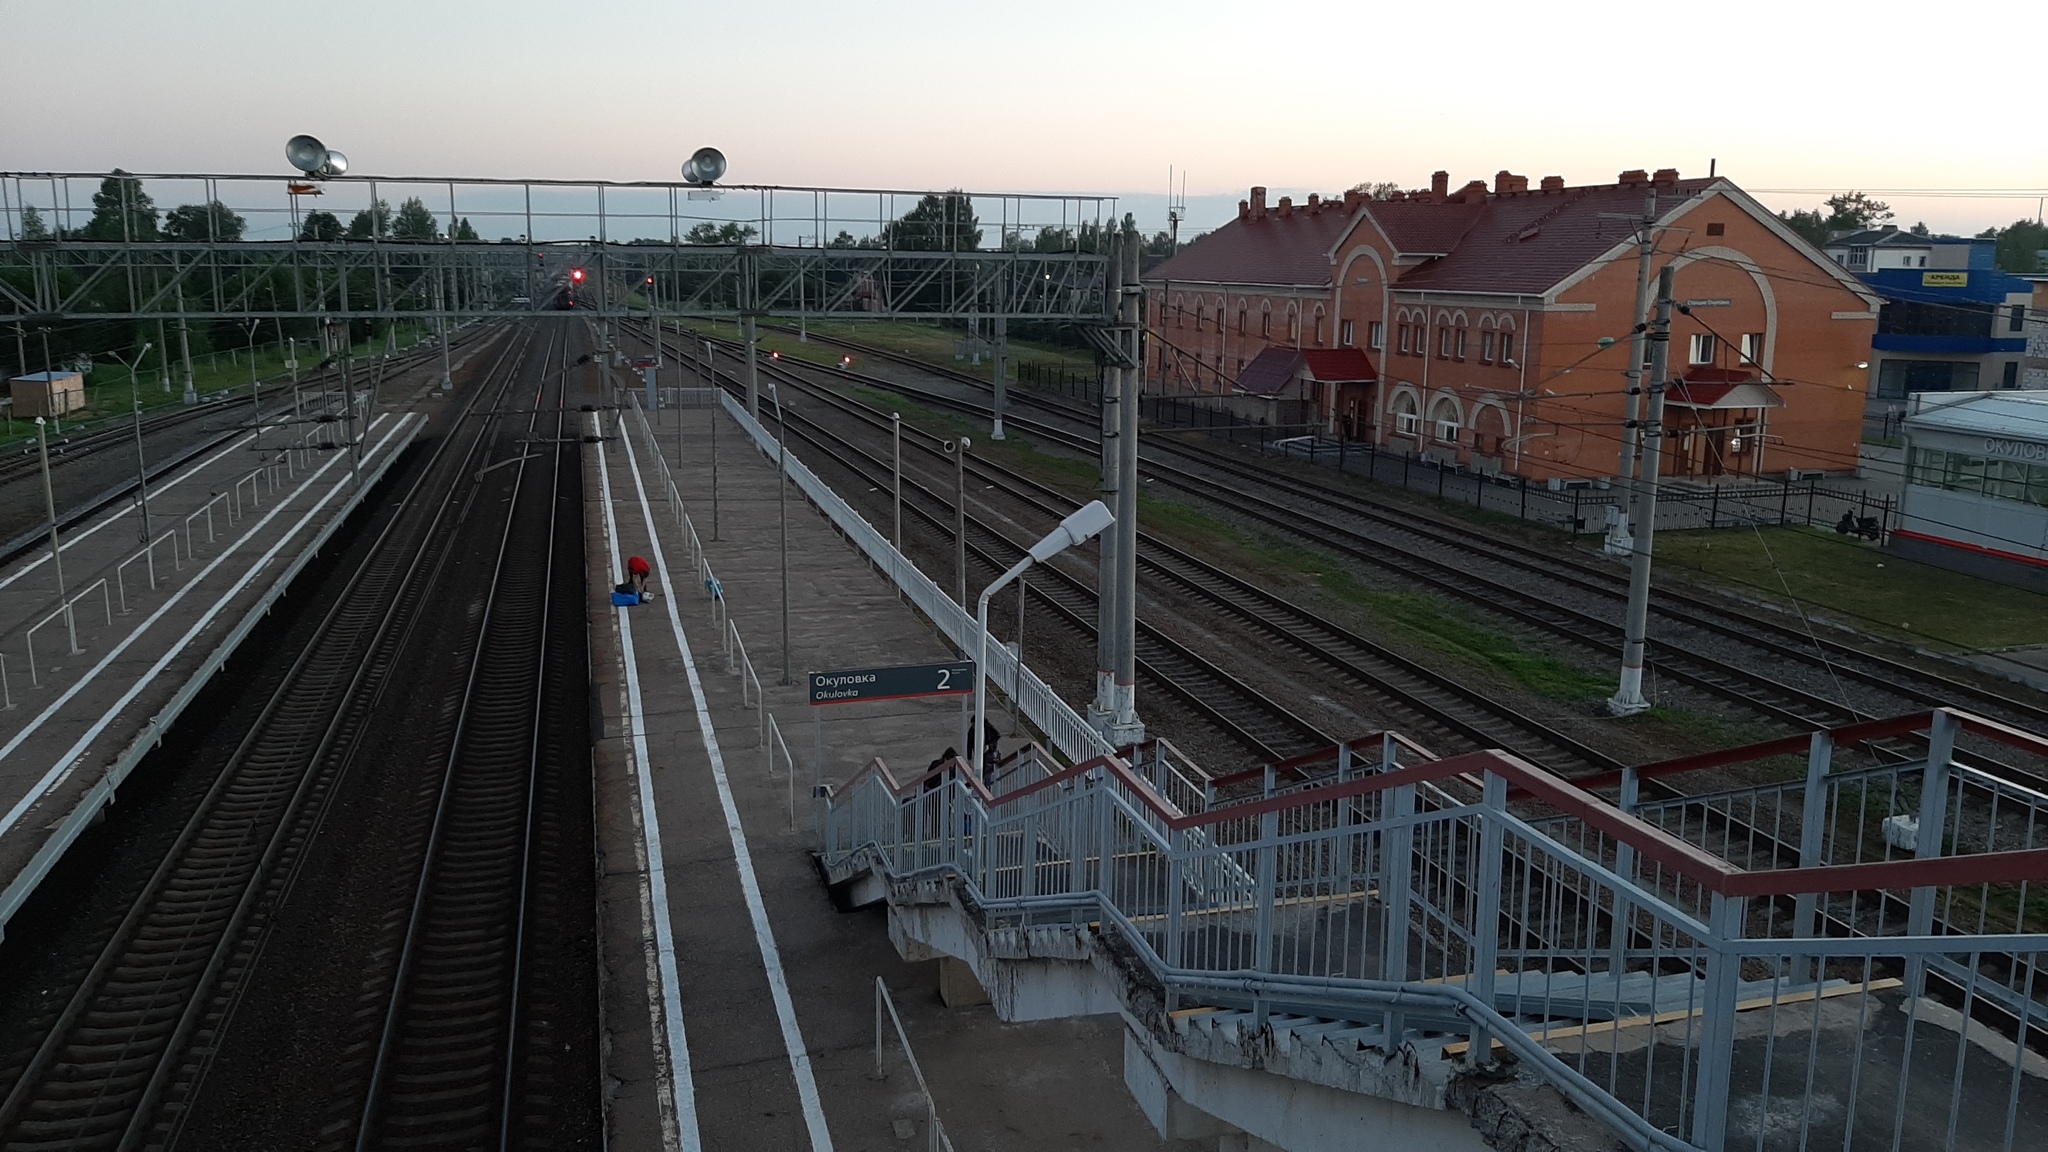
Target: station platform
741,1006
85,699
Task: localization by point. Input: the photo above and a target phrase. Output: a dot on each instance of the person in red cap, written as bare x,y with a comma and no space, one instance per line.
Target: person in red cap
637,571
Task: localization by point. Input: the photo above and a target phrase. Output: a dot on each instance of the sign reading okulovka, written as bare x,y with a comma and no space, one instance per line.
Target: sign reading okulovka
954,678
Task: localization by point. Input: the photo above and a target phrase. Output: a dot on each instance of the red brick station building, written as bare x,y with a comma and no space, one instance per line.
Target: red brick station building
1474,326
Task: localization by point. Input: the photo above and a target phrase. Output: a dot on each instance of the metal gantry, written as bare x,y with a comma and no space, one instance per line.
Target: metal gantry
786,253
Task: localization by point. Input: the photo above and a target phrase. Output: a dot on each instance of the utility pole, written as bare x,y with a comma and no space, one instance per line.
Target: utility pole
1128,729
185,347
896,474
753,375
1629,699
959,451
711,382
1114,710
782,512
135,402
56,547
1002,367
1618,532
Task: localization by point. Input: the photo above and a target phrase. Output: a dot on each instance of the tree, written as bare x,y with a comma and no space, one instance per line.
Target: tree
198,223
2020,245
415,222
121,210
372,221
939,223
1845,212
1377,189
32,226
320,226
709,233
845,240
1920,229
464,232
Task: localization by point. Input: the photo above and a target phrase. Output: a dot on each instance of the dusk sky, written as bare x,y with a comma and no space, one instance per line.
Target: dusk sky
1056,95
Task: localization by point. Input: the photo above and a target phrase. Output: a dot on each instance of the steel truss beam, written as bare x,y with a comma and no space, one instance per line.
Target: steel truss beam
57,280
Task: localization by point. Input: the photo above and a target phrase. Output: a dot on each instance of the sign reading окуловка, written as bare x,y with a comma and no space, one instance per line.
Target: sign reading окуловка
954,678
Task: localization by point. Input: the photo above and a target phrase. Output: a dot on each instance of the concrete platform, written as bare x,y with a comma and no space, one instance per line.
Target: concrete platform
741,1007
153,623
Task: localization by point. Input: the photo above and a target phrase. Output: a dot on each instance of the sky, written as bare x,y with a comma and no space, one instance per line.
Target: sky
1102,96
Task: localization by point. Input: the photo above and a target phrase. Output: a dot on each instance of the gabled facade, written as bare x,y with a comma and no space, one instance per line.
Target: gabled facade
1497,320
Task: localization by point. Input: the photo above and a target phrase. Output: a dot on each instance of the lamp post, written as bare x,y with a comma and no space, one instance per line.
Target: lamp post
135,400
1076,529
1628,699
56,546
782,513
958,450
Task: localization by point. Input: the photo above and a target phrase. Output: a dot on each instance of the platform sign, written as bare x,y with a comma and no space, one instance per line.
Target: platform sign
955,678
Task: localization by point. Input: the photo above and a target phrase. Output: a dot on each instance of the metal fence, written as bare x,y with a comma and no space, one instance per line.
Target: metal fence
1685,1000
1578,507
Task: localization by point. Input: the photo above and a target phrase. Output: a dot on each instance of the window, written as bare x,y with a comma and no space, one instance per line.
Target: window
1507,347
1443,343
1859,257
1486,347
1717,229
1447,431
1406,422
1753,348
1897,379
1923,261
1703,348
2017,321
1460,353
1344,333
1180,316
1319,331
1240,320
1294,327
1266,325
1376,335
1403,337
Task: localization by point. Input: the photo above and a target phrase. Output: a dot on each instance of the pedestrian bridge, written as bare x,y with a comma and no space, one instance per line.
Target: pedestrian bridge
1376,947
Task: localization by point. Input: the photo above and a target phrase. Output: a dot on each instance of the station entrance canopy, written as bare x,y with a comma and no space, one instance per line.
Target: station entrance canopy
214,247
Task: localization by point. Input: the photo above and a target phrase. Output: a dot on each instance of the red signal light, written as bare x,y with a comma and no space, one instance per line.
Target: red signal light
650,279
775,355
577,275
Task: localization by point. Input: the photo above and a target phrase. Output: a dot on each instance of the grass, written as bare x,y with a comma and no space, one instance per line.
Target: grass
1069,473
1841,577
108,397
1423,617
930,343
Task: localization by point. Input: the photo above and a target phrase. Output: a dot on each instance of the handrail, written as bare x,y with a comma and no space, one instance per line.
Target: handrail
935,1138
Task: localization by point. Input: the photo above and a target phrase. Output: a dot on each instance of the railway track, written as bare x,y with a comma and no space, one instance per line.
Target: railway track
453,1058
1447,559
120,1061
1415,698
1918,685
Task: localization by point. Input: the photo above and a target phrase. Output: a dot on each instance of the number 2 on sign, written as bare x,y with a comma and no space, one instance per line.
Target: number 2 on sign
945,678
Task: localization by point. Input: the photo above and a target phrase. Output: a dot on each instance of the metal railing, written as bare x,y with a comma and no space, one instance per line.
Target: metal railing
1661,987
935,1132
1065,728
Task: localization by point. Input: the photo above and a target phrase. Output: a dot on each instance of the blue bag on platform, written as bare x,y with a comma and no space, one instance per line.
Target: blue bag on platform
625,599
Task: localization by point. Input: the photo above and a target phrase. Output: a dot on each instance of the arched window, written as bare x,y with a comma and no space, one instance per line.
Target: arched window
1407,418
1266,321
1240,318
1445,424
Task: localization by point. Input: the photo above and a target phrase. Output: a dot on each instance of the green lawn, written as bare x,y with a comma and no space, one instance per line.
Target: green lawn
928,342
1856,582
108,395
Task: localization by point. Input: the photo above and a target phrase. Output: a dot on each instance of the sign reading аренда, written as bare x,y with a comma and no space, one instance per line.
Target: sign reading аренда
955,678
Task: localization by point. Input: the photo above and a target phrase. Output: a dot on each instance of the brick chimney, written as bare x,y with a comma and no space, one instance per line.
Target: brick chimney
1507,183
1352,199
1553,183
1286,207
1473,192
1439,184
1633,176
1315,204
1665,176
1258,202
1244,209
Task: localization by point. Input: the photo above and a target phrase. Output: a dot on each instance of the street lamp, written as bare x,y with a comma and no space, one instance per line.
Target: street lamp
309,155
1076,529
135,399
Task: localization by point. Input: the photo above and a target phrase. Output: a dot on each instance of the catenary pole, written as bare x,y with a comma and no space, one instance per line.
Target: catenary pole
782,513
1129,729
1646,247
56,546
960,448
1629,699
1102,710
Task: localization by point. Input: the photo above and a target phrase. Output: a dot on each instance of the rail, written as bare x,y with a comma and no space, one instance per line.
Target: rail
146,553
935,1132
771,743
1623,962
67,611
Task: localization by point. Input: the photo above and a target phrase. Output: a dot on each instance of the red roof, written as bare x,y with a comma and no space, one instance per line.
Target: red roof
1423,228
1747,393
1291,249
1707,374
1531,241
1270,371
1338,364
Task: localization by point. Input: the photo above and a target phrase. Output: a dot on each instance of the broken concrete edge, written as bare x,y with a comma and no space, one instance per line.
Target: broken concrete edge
1511,1109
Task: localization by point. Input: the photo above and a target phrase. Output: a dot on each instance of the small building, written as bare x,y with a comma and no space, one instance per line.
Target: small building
1976,496
47,394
